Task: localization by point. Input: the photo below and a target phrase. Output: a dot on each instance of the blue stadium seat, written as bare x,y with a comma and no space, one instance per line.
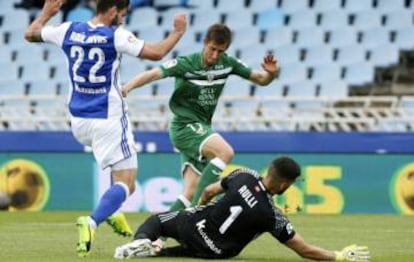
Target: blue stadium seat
239,19
350,55
270,18
373,37
167,16
11,86
334,89
333,20
166,3
325,73
278,36
366,20
80,14
302,19
301,89
342,37
42,87
245,37
384,6
38,71
150,35
307,37
14,19
253,54
228,6
29,53
236,86
130,67
359,73
165,87
287,55
326,5
292,73
258,6
8,71
16,38
202,19
398,19
318,55
384,55
6,53
201,4
275,89
292,6
404,38
353,6
144,17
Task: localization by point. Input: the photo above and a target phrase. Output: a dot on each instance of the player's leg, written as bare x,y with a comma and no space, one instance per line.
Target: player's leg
191,177
143,245
220,154
113,146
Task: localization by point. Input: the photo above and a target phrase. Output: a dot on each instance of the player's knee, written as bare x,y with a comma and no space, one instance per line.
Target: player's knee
227,154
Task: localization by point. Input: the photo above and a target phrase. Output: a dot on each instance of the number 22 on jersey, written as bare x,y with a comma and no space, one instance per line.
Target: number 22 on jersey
95,54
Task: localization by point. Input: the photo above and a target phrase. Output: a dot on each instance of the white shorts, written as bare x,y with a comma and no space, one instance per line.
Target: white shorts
111,139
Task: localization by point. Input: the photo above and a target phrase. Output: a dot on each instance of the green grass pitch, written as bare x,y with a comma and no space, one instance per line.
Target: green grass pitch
51,236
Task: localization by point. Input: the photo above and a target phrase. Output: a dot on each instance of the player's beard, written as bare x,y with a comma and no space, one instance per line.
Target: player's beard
116,21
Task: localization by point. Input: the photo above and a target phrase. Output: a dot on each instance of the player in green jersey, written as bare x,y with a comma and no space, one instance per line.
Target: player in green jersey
199,81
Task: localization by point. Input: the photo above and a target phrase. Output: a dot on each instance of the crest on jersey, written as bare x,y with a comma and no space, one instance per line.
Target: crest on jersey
170,63
210,77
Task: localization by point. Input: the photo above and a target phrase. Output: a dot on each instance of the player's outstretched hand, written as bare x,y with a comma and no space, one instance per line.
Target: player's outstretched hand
52,7
125,90
180,23
353,253
270,65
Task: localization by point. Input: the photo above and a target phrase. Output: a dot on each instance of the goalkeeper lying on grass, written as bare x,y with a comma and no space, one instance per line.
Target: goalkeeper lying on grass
223,229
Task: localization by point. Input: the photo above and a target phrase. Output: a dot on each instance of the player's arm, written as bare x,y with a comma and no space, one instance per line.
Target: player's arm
305,250
158,50
210,191
268,74
142,79
50,8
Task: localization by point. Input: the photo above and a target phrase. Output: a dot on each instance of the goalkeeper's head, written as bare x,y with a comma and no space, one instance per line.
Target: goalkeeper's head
281,174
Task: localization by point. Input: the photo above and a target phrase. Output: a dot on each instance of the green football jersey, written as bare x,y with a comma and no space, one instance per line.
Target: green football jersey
198,87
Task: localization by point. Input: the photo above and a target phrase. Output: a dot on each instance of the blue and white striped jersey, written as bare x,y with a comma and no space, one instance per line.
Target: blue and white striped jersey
93,54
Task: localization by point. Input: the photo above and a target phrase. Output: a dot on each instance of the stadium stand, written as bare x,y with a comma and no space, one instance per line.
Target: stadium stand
347,65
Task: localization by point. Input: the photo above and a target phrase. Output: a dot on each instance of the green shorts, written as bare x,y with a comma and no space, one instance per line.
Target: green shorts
189,138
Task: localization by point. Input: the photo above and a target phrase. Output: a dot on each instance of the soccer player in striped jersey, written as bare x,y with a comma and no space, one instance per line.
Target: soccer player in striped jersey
98,111
225,228
199,81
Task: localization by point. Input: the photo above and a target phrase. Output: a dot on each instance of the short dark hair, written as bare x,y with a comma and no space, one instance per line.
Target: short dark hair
219,33
104,5
285,167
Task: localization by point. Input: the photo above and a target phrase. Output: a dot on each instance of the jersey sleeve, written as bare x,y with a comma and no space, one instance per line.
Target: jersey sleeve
55,34
281,228
174,67
228,179
126,42
240,68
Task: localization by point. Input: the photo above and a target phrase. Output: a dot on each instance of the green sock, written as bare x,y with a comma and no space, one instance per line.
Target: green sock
180,204
211,174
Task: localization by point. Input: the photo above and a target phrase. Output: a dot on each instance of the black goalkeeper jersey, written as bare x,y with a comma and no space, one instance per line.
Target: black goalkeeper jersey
246,210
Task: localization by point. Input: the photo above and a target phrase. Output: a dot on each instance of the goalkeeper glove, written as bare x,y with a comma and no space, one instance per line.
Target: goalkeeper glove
353,253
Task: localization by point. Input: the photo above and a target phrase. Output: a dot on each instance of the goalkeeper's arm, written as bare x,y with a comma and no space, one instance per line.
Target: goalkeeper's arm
349,253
